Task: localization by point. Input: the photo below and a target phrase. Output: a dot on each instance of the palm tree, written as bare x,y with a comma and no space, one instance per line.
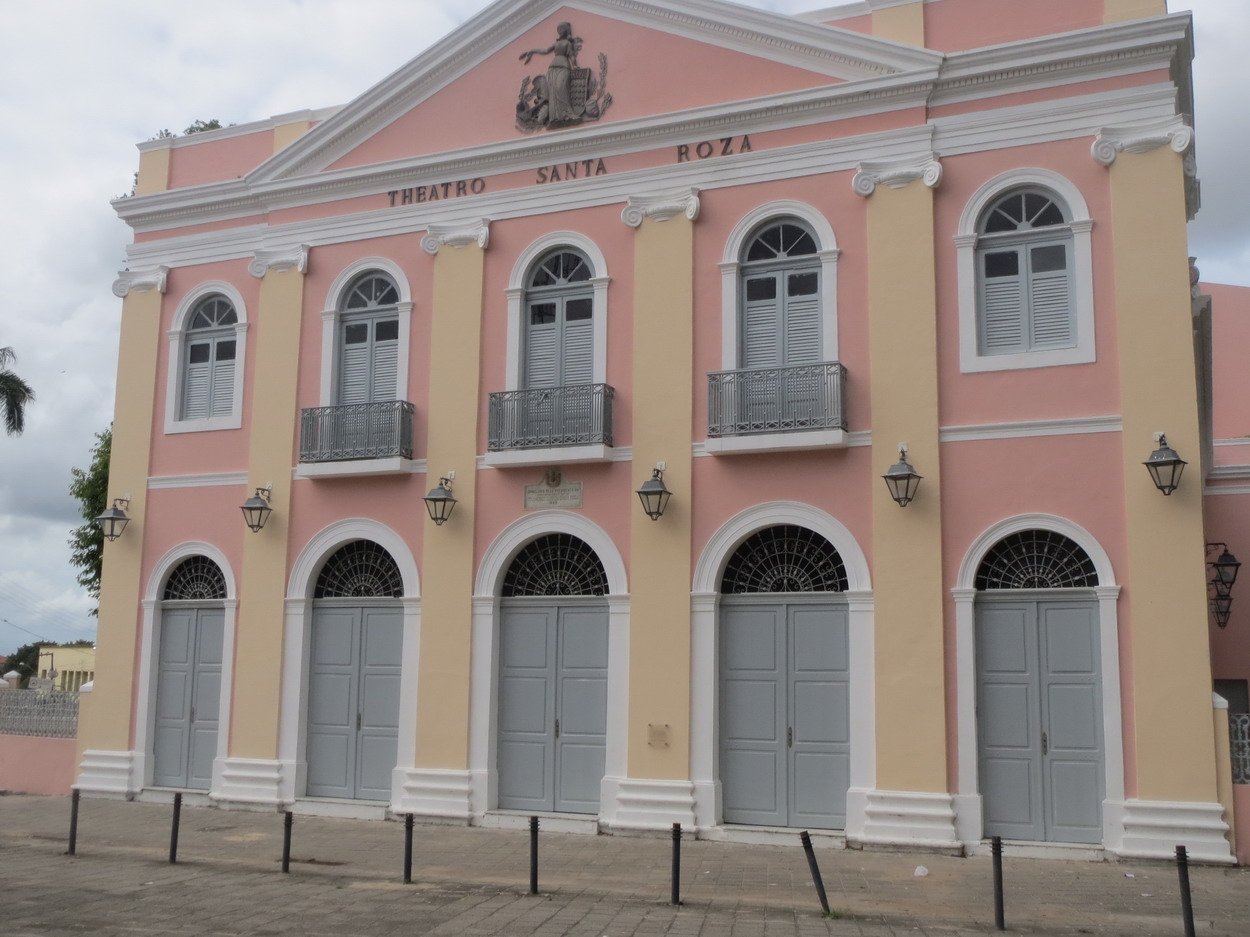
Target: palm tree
14,395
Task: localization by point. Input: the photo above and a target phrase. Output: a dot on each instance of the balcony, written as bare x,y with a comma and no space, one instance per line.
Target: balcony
550,425
763,409
356,439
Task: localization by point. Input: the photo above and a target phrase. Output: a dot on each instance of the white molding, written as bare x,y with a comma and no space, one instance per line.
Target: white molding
457,234
311,115
176,351
896,174
109,773
1110,142
1226,490
614,454
1236,441
360,468
1084,350
1022,429
1228,472
317,550
908,818
433,792
1153,829
661,207
279,260
558,455
773,442
515,298
735,244
140,281
648,803
258,781
509,541
207,480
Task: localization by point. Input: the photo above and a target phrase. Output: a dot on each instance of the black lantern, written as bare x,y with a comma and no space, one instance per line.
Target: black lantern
114,520
1222,606
654,495
1225,566
256,509
902,479
439,502
1165,466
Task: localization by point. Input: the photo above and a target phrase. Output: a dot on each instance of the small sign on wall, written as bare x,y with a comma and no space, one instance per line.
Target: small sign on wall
553,492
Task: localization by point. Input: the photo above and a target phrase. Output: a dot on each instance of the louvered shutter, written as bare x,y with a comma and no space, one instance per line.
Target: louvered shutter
223,387
541,356
578,352
354,374
1050,304
802,318
385,370
761,325
196,391
1001,306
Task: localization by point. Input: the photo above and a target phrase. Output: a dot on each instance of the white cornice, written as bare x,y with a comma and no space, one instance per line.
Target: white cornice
279,260
140,281
309,115
457,234
1141,138
897,174
207,480
1073,426
661,207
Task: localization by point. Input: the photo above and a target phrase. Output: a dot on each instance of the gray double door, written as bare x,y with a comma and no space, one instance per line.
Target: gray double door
1039,718
353,700
784,712
188,696
553,705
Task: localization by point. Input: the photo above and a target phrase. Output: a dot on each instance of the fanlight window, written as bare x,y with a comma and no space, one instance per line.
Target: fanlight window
360,569
780,241
784,559
208,365
555,564
559,268
1036,559
195,579
371,291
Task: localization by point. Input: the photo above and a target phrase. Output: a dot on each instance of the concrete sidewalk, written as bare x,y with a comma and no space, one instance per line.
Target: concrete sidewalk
346,879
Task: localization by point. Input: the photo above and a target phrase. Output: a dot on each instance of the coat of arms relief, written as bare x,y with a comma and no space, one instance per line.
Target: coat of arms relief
567,95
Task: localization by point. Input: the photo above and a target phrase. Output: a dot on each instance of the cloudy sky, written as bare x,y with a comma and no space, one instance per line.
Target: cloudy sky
87,79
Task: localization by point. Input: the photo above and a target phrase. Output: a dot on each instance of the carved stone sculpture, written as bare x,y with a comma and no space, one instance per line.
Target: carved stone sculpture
566,95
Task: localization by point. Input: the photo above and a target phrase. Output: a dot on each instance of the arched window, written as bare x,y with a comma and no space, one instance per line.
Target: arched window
555,564
1036,559
368,340
559,333
359,569
780,313
1025,264
786,558
195,579
208,360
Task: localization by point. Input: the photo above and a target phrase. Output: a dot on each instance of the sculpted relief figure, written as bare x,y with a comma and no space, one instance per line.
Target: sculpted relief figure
567,95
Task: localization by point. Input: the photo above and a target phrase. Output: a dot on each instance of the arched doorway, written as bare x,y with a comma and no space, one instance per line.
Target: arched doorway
784,682
553,677
355,653
1040,745
188,675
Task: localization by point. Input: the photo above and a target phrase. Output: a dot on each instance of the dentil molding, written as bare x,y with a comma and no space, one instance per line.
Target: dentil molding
661,207
150,278
1141,138
457,234
279,260
896,174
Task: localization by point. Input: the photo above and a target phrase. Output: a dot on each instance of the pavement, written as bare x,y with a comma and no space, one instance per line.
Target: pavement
346,879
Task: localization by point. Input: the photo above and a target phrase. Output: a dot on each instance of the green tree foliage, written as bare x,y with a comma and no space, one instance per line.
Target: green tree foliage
15,394
90,487
25,660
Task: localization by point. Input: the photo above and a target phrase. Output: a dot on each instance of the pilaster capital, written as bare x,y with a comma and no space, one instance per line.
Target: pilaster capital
661,207
457,234
140,281
897,173
279,260
1110,142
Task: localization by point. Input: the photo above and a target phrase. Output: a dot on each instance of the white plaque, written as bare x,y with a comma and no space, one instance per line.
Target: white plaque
563,495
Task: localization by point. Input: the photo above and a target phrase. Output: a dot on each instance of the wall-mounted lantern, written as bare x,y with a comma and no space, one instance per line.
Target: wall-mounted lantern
1165,466
114,520
902,479
439,502
654,494
256,509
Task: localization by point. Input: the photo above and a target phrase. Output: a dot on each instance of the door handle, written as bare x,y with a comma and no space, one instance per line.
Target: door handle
1045,744
193,714
557,728
359,722
789,737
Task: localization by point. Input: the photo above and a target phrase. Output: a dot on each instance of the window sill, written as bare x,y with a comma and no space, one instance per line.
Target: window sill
359,468
202,426
772,442
1027,359
556,455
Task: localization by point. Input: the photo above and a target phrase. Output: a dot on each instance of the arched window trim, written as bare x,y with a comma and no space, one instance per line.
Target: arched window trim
332,316
515,294
966,240
731,265
176,362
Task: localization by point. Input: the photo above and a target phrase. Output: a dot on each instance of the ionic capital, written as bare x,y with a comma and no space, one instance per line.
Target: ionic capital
1142,138
279,260
457,234
897,173
661,207
140,281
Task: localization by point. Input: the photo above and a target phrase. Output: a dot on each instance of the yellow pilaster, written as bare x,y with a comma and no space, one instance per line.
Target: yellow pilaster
262,590
153,171
106,723
447,580
659,551
1166,559
1117,11
906,541
901,23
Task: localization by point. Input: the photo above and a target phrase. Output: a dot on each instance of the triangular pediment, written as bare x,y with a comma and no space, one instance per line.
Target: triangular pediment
636,63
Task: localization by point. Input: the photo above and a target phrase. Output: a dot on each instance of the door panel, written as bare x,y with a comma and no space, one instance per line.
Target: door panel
188,697
753,714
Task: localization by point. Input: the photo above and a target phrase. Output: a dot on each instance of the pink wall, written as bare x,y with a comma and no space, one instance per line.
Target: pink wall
36,765
1241,807
954,25
218,160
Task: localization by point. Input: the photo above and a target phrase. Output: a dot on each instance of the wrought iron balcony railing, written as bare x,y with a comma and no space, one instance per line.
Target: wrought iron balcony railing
776,400
548,417
356,431
1239,737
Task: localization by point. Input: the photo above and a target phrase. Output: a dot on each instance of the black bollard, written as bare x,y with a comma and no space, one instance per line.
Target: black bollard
811,864
676,863
1187,905
73,823
996,846
408,849
173,829
533,855
288,820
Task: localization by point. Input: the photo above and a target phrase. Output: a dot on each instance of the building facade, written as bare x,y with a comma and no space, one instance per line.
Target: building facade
574,247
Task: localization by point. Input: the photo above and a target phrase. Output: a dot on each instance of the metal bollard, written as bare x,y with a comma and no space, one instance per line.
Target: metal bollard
173,829
676,863
408,849
288,820
73,823
996,846
811,864
533,855
1187,905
